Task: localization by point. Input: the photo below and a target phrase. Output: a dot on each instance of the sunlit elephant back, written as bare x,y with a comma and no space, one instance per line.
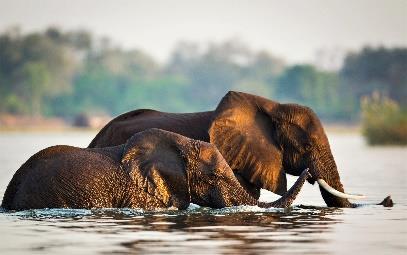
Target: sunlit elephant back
121,128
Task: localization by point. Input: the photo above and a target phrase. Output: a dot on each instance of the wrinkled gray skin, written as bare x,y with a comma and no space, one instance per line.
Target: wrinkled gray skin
153,169
261,140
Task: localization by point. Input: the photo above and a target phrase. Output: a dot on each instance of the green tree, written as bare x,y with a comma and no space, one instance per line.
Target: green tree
317,89
222,67
377,69
33,67
34,85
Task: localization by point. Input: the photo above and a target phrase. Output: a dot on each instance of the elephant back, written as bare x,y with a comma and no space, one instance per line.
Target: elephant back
67,177
121,128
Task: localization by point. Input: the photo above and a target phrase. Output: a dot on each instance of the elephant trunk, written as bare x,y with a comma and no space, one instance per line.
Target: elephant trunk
325,172
239,195
288,198
324,167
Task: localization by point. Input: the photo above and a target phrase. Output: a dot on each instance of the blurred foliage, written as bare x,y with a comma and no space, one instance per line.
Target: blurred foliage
383,70
211,73
383,120
66,73
317,89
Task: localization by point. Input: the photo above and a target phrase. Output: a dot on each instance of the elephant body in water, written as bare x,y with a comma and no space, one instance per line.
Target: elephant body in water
261,140
153,169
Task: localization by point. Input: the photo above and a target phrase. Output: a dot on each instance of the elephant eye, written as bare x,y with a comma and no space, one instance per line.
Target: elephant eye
308,146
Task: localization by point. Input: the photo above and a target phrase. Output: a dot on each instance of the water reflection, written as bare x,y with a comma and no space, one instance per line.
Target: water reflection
234,230
375,171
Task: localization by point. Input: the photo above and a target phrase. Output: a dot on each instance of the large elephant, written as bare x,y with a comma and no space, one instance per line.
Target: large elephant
261,140
153,169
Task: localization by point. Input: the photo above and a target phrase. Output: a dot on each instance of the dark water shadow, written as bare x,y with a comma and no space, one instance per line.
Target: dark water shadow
235,230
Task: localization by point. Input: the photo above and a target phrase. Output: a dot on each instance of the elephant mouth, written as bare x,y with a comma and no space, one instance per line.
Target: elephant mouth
337,193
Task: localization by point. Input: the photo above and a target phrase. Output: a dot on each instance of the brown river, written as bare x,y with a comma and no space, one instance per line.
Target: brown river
307,228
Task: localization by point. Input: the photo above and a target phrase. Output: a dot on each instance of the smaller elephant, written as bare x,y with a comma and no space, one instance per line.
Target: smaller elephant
153,169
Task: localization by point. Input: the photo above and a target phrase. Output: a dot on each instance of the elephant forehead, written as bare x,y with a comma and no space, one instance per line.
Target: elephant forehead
209,153
212,161
236,116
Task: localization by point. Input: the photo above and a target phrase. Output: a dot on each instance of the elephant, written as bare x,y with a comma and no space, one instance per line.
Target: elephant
261,140
152,169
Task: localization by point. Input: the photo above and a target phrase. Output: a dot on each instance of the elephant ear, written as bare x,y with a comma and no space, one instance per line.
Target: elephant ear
242,132
155,164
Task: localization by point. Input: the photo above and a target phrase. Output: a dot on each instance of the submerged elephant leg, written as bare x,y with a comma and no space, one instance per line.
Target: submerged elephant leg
288,198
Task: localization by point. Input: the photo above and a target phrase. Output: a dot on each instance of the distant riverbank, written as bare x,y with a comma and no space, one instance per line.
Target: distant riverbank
39,123
10,123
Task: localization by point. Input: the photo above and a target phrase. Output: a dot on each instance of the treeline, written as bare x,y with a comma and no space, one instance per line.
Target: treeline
66,73
383,121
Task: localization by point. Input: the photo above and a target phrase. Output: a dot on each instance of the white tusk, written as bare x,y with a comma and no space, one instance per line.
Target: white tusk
337,193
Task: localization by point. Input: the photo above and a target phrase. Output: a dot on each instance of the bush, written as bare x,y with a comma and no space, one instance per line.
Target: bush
383,120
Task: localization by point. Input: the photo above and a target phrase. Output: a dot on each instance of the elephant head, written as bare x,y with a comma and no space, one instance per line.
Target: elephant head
178,170
263,140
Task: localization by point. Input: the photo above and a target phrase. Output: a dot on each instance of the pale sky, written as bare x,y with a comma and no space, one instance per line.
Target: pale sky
293,30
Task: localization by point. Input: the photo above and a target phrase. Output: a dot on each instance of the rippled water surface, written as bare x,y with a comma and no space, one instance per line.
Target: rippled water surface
307,228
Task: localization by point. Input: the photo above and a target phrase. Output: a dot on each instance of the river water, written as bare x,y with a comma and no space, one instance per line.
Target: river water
306,228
